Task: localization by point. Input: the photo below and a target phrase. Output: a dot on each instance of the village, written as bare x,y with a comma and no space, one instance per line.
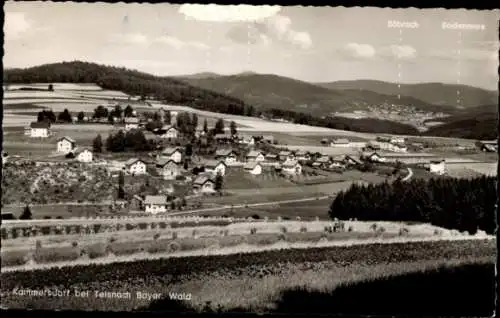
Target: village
207,163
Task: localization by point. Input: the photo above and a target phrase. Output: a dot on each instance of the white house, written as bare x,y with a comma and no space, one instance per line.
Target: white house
398,140
171,153
292,167
285,155
255,155
135,166
155,204
340,142
253,167
228,155
302,155
65,145
216,167
323,161
40,130
131,123
248,140
168,168
203,184
170,132
83,155
437,166
374,157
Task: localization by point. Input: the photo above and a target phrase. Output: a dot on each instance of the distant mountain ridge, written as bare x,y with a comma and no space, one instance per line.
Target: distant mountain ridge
432,93
273,91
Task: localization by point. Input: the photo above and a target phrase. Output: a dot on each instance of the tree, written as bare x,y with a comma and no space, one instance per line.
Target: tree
205,126
97,144
46,115
26,215
189,150
186,164
51,88
219,126
219,180
194,121
81,116
121,185
65,116
111,119
100,112
117,111
128,112
234,131
167,117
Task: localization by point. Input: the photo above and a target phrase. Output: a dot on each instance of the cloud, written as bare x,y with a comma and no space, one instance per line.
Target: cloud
179,44
275,29
16,25
399,52
130,39
357,51
227,13
464,55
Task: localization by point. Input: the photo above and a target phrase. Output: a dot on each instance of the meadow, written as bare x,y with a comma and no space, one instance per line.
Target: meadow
275,280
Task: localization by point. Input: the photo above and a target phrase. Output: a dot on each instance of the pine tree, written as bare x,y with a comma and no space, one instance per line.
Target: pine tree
26,215
97,144
121,186
205,126
219,180
234,131
219,126
81,116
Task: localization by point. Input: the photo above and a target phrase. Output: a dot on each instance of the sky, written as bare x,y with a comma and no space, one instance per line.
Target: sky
314,44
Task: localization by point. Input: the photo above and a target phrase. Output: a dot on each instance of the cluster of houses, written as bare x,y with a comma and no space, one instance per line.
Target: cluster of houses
386,143
430,162
67,146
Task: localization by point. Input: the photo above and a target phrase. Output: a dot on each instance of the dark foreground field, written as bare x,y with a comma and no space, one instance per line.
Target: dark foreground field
425,278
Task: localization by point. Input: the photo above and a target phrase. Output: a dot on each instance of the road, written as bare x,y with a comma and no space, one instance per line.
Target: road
410,174
74,221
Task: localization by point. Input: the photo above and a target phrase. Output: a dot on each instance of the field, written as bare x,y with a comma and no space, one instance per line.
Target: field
273,281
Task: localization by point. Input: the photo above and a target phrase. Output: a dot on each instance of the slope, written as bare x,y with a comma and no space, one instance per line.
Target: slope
432,93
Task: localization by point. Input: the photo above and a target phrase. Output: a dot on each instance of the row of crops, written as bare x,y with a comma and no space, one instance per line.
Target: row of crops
169,270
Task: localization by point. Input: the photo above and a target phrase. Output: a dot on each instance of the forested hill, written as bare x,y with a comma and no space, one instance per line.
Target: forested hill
131,82
173,91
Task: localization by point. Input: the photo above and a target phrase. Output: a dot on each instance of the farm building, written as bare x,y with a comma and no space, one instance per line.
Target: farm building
254,167
228,155
246,139
398,140
65,144
131,123
203,184
168,168
373,157
155,204
350,160
224,138
83,155
302,155
291,167
340,142
387,146
40,130
169,132
437,166
135,166
256,155
322,162
136,203
199,132
269,139
415,158
216,167
386,139
286,155
271,157
489,146
171,153
337,162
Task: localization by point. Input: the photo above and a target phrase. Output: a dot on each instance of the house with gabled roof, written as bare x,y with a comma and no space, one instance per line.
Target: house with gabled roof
286,155
168,168
169,132
135,166
65,144
173,153
256,155
247,139
228,155
40,129
131,123
340,142
271,157
204,184
323,162
373,157
437,166
83,155
291,167
225,137
268,139
302,156
215,167
155,204
253,167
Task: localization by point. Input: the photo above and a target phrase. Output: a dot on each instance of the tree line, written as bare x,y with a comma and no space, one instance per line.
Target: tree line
133,140
461,204
173,91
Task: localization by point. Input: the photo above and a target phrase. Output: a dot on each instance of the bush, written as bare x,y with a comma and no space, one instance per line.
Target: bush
403,231
253,230
194,233
174,235
255,216
156,236
303,229
350,229
74,244
38,244
284,229
112,239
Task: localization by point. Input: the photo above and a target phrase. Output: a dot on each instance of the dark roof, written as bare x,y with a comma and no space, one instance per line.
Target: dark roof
169,151
255,153
71,140
251,165
164,161
155,199
223,152
201,180
213,163
132,161
42,124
